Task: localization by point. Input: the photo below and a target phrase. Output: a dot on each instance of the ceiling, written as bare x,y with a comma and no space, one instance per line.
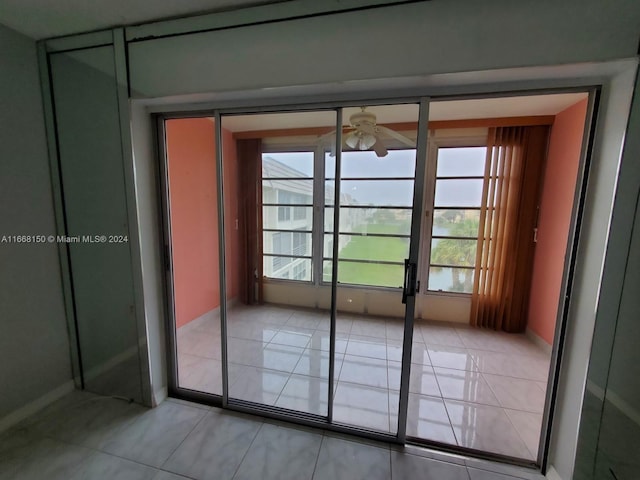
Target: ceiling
40,19
524,105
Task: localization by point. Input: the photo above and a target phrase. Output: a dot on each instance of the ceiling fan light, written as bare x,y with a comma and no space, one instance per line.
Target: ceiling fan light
352,140
367,141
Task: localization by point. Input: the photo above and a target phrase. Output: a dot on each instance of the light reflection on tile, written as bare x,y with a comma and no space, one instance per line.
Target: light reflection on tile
427,418
305,394
464,385
280,356
362,406
451,357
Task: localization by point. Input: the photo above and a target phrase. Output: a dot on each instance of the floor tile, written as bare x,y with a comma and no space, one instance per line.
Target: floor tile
305,394
200,373
280,357
427,419
362,406
451,357
320,341
42,458
422,379
200,344
101,466
279,453
291,339
395,328
528,426
465,385
367,347
512,365
90,423
517,393
484,427
252,331
305,319
369,327
215,448
364,371
155,434
162,475
316,364
245,352
406,466
343,460
437,334
257,384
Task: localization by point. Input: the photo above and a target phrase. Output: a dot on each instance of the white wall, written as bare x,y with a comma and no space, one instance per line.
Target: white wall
422,38
34,345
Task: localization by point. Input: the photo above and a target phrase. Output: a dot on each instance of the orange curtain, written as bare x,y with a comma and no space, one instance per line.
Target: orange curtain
250,160
512,180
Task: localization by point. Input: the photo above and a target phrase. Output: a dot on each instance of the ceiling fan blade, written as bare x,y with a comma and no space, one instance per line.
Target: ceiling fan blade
380,149
398,136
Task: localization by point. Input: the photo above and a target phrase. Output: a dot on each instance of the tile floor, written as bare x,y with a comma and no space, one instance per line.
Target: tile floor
473,388
85,436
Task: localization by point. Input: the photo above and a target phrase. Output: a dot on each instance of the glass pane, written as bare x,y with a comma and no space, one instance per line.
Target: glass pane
287,243
194,230
377,192
287,191
329,192
461,162
287,218
372,274
358,247
271,344
458,193
396,164
287,268
451,279
287,165
328,219
450,251
394,221
456,223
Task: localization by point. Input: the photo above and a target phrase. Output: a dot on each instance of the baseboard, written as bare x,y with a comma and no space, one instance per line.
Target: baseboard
552,474
113,362
30,408
159,396
535,338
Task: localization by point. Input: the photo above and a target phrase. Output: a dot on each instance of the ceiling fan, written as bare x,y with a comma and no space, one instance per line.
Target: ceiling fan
367,134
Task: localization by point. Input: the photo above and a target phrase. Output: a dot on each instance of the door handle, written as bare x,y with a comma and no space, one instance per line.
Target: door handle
410,275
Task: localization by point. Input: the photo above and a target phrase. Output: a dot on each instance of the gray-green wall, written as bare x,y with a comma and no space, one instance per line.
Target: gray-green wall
34,345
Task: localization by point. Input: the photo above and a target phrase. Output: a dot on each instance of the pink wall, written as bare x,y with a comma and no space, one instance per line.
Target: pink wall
191,151
555,214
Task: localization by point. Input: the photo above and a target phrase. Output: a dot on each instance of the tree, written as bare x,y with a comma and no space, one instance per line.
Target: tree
449,251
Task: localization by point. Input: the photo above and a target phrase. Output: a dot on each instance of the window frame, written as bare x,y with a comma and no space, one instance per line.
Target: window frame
290,209
460,138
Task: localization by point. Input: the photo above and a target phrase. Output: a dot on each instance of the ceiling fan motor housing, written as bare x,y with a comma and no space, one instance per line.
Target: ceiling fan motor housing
362,119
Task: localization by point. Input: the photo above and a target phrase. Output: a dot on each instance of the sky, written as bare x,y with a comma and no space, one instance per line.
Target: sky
399,164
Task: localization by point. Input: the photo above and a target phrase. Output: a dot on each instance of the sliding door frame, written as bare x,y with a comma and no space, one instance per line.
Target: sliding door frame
267,105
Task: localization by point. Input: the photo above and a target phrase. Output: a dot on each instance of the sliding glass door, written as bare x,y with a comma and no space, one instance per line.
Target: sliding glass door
302,229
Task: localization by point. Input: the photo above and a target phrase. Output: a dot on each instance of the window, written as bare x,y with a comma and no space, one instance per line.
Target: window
456,214
375,217
287,214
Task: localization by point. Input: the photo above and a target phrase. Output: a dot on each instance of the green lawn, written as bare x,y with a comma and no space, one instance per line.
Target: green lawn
372,248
